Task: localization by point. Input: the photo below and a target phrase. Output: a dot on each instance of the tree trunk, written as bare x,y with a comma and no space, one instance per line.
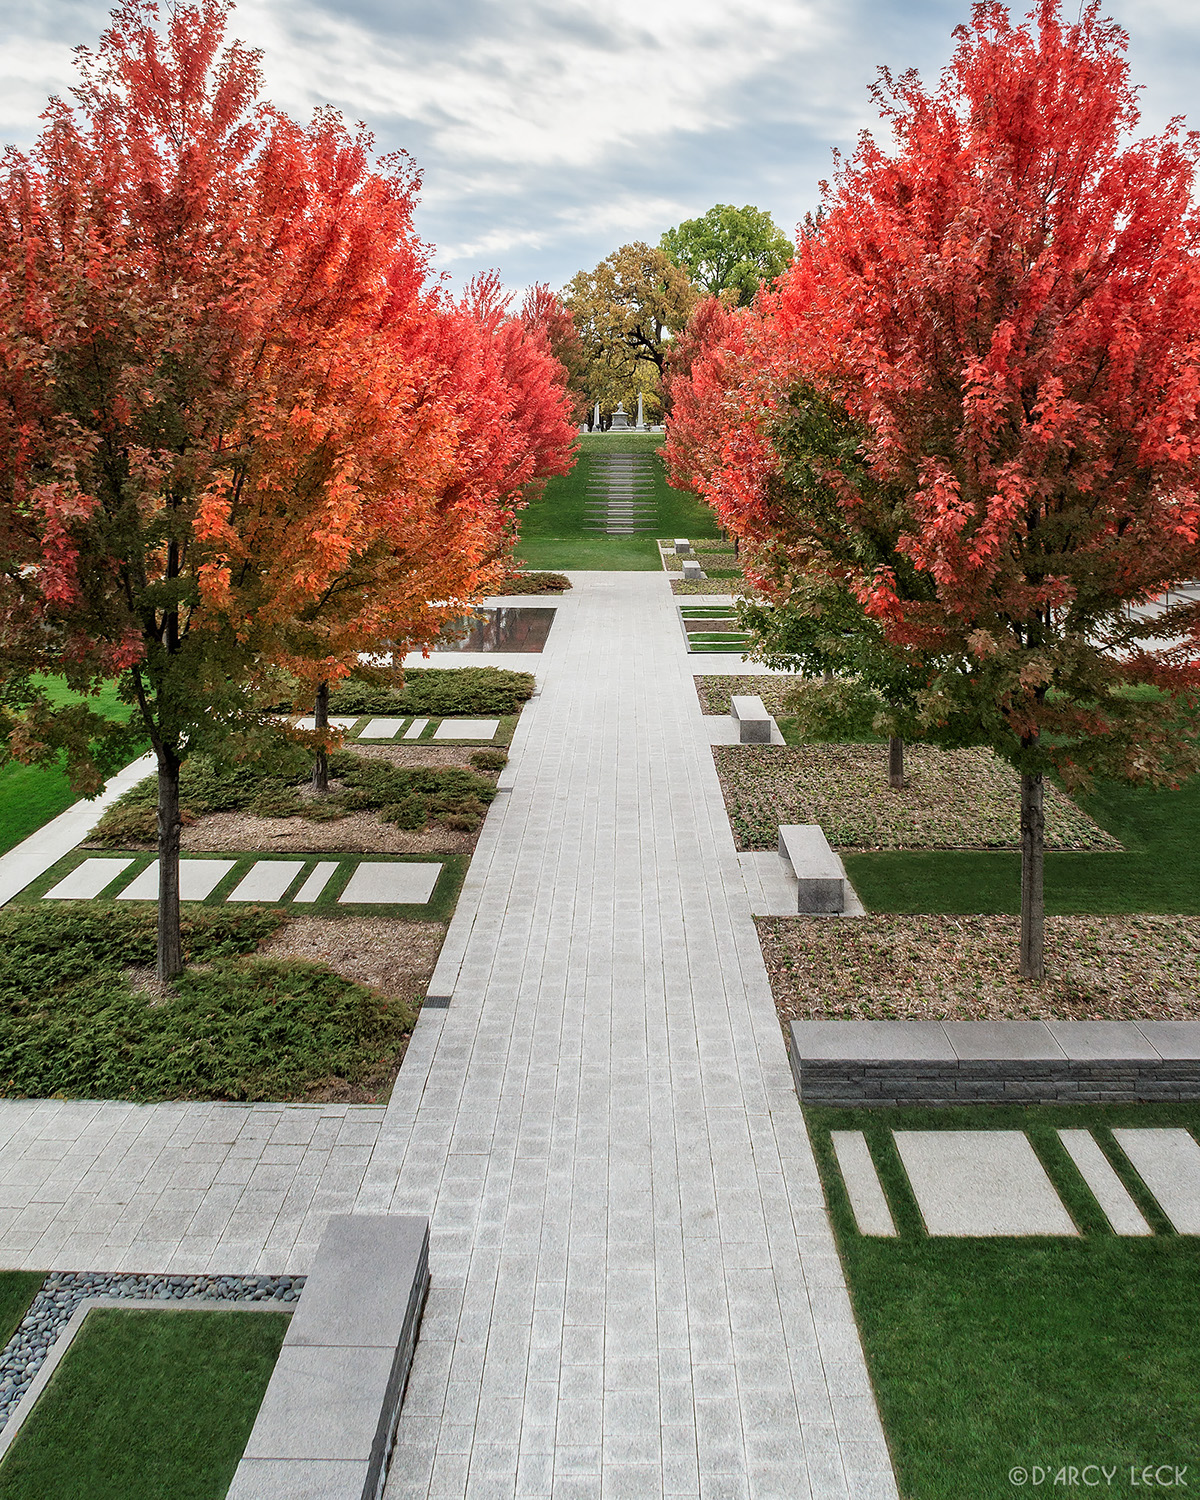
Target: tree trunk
320,775
896,761
1033,906
170,942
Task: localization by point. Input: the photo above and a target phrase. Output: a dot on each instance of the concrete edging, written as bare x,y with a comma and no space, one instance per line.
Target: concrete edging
852,1063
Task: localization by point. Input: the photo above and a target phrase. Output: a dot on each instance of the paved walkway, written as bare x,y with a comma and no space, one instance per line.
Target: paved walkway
635,1287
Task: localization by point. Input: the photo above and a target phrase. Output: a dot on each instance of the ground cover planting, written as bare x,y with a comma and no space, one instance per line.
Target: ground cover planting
437,691
715,692
961,968
951,798
170,1397
533,583
553,532
81,1015
993,1355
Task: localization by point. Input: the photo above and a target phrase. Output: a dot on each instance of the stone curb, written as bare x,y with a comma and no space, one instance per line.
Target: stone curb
850,1063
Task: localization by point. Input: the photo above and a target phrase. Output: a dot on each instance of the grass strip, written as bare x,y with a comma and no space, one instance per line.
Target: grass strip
146,1405
992,1354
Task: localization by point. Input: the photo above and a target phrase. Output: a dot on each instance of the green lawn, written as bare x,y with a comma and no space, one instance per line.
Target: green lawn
31,795
147,1405
17,1291
988,1354
552,528
1159,872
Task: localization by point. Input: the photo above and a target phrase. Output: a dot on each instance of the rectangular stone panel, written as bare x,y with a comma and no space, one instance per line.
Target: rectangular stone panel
865,1191
466,729
415,729
266,880
87,880
377,884
981,1182
381,729
317,881
1107,1188
1167,1160
335,722
198,878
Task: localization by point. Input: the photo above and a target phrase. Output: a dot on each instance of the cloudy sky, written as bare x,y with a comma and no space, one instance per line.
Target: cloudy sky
551,131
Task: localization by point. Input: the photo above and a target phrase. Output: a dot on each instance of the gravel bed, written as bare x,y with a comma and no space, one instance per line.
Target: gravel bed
356,833
965,968
715,692
952,799
395,958
62,1292
712,586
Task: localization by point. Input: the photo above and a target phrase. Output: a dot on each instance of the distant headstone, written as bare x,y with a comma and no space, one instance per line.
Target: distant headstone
620,419
641,421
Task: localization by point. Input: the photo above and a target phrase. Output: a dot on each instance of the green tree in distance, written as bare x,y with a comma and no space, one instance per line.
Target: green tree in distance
730,251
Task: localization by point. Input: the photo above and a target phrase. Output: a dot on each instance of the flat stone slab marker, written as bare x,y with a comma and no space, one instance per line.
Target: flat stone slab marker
377,884
863,1188
1107,1188
1168,1161
981,1182
198,878
381,729
317,881
466,729
266,880
87,880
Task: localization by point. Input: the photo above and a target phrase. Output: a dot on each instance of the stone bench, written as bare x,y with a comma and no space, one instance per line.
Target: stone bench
683,548
818,870
328,1420
693,573
753,721
851,1063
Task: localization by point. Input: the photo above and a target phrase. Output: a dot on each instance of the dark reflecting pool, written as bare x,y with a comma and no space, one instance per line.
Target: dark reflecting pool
518,628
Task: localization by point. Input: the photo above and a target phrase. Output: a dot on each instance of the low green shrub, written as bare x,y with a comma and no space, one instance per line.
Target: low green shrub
410,797
437,691
449,795
489,760
534,583
241,1027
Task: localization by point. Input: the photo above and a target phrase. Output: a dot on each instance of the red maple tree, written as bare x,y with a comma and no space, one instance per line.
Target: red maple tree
239,437
1008,304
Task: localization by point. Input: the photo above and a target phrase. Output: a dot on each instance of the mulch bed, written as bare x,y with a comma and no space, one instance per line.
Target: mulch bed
952,799
715,692
965,968
714,586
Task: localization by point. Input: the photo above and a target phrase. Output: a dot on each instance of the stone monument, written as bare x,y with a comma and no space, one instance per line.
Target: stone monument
620,419
641,421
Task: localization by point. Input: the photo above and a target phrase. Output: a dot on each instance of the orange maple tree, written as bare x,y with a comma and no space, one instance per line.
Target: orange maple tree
239,435
1005,310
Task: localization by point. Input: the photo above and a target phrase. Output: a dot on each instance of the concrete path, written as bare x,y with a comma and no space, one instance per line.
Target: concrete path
635,1286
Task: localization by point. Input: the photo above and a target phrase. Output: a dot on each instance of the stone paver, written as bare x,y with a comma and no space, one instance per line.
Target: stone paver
863,1188
87,880
375,883
1167,1159
1107,1188
381,729
225,1188
198,878
266,880
635,1286
985,1182
317,881
466,729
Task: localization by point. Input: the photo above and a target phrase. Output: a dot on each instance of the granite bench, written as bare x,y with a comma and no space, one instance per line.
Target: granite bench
692,572
851,1063
753,721
683,548
328,1420
818,871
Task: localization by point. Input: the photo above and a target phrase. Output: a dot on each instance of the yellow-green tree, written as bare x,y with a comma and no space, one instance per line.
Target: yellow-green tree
626,312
